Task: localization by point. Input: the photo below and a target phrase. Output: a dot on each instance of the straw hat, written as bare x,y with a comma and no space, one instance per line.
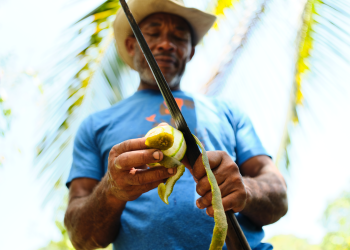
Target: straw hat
200,21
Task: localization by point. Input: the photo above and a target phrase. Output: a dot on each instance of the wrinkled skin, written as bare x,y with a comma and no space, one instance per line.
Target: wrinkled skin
132,156
228,178
169,38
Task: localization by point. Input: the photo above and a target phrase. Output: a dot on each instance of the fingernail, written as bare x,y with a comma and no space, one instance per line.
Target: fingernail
198,205
156,155
207,212
171,170
163,124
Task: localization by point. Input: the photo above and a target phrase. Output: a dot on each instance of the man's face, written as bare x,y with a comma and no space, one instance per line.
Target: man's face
169,38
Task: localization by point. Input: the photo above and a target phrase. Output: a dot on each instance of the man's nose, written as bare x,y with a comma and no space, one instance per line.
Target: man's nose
166,44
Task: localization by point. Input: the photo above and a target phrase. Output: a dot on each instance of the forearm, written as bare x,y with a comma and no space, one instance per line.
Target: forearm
93,221
267,198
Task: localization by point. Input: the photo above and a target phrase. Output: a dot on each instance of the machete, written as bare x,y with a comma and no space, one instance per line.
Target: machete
192,153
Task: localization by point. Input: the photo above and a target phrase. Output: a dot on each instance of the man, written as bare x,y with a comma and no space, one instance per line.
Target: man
107,204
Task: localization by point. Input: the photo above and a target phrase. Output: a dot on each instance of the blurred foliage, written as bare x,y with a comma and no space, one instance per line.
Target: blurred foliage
306,39
230,53
337,223
5,114
63,244
332,12
304,51
221,5
305,45
291,242
94,56
5,111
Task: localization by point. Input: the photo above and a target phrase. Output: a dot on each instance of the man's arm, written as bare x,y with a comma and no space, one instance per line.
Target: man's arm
260,194
93,214
94,209
266,191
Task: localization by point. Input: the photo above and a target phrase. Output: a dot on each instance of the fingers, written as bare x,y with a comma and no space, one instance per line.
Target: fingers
236,202
146,176
215,158
135,191
135,159
203,185
163,124
205,200
232,190
126,146
222,167
147,187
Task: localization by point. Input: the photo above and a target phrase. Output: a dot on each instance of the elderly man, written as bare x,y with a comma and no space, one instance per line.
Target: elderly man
107,204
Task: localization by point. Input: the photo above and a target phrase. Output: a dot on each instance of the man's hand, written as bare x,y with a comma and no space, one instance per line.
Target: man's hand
260,194
229,179
127,171
94,210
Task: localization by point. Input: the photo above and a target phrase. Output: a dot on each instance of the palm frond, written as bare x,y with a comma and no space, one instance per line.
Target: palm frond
5,118
322,25
232,50
5,115
71,87
305,44
5,111
221,5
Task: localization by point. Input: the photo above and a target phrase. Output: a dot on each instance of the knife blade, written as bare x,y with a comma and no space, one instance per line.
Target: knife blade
192,152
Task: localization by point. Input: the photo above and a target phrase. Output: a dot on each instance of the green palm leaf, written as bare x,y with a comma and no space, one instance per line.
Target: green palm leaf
75,97
305,44
5,111
324,25
221,5
232,50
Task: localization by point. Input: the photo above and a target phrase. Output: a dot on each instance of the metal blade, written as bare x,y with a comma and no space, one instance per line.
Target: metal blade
192,152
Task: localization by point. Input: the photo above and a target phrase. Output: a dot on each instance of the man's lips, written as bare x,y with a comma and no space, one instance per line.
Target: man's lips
165,60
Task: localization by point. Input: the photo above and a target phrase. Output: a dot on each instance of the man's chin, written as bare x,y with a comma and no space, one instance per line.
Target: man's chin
153,83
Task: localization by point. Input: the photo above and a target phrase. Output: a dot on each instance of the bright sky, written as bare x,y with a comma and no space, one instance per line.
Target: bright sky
319,154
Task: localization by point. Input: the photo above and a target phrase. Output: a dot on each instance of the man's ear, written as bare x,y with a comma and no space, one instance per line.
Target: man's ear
192,52
130,43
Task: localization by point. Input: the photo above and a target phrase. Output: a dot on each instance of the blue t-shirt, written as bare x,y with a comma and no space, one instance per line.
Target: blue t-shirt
147,222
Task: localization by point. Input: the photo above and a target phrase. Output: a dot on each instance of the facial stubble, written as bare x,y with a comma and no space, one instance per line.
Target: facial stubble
146,74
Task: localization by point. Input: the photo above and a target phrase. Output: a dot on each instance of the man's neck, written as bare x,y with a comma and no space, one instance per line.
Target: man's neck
143,85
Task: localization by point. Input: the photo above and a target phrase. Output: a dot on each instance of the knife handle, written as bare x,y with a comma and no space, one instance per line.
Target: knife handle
235,239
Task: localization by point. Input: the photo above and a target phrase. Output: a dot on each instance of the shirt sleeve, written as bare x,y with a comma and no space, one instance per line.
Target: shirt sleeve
87,161
248,143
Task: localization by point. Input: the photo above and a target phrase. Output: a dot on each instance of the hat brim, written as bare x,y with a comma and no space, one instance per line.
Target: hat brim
200,21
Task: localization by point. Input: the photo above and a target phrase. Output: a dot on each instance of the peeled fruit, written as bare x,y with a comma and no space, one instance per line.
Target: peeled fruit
172,143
